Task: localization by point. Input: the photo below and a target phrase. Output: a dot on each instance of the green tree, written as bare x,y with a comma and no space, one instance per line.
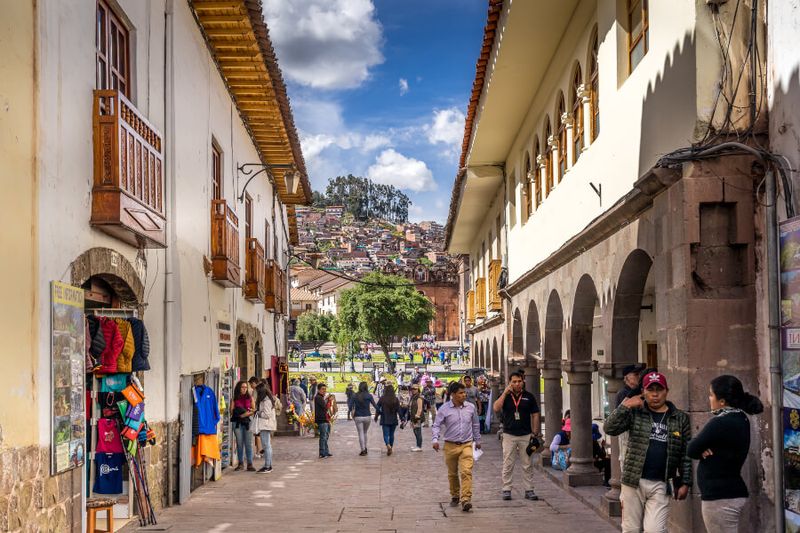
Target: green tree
314,327
383,307
346,341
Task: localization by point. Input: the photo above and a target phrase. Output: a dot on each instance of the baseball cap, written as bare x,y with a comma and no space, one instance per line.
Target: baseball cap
631,368
654,377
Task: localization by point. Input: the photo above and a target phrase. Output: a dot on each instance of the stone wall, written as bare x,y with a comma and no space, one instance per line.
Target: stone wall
157,464
31,500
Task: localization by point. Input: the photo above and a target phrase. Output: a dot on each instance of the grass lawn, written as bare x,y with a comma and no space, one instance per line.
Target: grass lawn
340,380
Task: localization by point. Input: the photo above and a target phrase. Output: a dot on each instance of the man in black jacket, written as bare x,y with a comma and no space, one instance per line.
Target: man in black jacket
630,377
322,421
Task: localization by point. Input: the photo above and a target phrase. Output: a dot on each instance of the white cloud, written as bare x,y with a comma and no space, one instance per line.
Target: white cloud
325,44
447,126
403,86
393,168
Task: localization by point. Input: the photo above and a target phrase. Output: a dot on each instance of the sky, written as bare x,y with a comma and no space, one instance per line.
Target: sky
379,88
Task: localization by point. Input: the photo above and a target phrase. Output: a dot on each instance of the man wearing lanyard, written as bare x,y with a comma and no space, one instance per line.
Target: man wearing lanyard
521,420
461,429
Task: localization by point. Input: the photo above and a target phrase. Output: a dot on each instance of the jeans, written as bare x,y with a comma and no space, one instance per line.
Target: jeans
324,431
722,516
418,435
388,434
266,442
244,442
362,427
646,507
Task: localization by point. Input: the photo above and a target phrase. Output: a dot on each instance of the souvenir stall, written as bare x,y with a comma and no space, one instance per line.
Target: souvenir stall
116,356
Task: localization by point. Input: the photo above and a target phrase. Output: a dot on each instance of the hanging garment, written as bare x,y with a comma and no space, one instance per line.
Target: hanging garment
128,348
207,410
141,341
114,344
95,343
113,382
108,439
207,448
108,473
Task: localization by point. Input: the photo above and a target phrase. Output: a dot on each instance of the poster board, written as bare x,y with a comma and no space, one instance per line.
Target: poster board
68,375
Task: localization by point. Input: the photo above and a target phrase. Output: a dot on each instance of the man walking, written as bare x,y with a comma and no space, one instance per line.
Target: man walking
461,429
415,414
322,421
656,463
521,420
473,396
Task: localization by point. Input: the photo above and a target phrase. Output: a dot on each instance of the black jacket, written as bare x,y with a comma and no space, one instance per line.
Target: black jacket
141,342
727,435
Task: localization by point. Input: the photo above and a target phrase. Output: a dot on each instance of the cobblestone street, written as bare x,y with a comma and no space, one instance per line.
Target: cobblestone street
405,492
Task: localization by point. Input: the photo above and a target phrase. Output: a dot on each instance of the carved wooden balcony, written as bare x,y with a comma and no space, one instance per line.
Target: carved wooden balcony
255,271
495,303
276,297
480,298
225,268
470,307
128,191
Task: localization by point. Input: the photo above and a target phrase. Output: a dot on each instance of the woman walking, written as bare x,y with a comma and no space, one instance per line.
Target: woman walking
388,408
722,448
265,421
358,407
243,410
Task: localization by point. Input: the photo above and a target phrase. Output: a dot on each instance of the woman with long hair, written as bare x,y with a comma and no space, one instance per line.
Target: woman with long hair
265,421
243,410
722,447
359,410
388,407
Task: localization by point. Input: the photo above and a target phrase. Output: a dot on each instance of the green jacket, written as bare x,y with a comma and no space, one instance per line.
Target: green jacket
638,423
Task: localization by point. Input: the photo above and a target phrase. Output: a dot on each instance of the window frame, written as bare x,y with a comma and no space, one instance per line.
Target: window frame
528,186
248,217
634,40
577,116
562,138
548,161
537,178
594,87
217,182
108,44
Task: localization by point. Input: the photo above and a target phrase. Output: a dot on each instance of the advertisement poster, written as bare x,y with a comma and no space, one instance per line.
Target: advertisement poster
68,352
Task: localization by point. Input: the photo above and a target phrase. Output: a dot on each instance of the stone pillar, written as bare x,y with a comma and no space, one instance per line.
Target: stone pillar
552,146
553,403
567,120
581,471
541,168
613,373
532,382
585,94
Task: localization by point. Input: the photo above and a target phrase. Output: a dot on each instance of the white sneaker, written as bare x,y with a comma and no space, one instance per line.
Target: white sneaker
416,449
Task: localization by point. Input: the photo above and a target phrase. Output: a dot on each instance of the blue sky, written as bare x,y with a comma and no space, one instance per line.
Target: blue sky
379,88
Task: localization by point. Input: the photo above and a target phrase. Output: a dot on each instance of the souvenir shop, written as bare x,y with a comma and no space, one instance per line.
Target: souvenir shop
117,350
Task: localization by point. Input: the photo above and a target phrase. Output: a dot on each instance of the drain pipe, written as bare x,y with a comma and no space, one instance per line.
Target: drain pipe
169,256
775,370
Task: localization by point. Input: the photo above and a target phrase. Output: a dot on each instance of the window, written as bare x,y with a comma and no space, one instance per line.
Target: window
248,216
594,87
562,138
528,186
548,160
537,179
112,51
216,173
308,307
577,116
267,240
638,39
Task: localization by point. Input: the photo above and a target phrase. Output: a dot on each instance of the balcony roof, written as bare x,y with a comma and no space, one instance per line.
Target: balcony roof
520,39
238,40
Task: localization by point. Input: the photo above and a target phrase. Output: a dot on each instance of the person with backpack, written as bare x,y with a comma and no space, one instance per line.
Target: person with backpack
416,410
265,422
243,410
359,408
722,447
388,408
429,397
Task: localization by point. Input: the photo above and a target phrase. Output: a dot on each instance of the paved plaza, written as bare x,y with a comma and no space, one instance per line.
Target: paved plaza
404,492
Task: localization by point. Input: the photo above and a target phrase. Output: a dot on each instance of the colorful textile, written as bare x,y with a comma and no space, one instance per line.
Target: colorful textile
114,344
128,348
108,473
207,449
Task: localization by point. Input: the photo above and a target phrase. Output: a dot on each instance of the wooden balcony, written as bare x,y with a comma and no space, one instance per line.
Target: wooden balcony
225,268
480,298
470,307
255,271
495,303
276,291
128,190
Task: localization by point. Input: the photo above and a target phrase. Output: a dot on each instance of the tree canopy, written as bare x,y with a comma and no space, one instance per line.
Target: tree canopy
364,199
314,327
384,307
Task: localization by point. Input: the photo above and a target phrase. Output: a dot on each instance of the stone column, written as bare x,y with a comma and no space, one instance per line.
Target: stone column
553,404
567,120
542,169
552,145
613,373
532,382
581,471
585,94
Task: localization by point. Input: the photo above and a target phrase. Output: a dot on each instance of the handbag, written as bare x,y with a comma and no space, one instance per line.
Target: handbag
113,382
133,394
129,433
560,459
135,412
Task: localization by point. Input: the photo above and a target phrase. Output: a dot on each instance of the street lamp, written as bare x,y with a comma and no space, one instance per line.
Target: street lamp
291,177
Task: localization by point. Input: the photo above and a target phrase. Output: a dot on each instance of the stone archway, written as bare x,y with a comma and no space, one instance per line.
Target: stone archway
627,307
550,366
113,268
259,360
517,353
495,357
580,348
533,348
241,356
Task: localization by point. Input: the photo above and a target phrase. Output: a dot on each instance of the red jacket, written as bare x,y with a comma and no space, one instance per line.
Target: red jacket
114,344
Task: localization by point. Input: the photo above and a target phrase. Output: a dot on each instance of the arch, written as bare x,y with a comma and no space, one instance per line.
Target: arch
548,157
537,181
517,354
495,356
561,111
576,105
627,306
593,82
259,357
582,319
553,327
241,355
502,364
533,337
113,268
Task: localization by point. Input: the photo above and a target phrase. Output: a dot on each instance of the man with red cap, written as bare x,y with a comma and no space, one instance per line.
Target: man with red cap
656,466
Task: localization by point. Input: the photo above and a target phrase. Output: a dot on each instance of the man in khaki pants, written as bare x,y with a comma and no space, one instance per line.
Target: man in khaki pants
461,429
521,420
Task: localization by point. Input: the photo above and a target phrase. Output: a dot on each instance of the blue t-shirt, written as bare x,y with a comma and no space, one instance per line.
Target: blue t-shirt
108,473
207,410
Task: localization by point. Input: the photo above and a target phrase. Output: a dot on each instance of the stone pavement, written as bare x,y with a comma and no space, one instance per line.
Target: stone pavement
405,492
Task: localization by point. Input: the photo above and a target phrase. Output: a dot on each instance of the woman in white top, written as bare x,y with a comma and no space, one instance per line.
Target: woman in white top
265,421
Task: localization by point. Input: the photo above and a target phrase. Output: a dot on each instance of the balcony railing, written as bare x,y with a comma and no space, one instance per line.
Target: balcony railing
495,303
480,298
128,190
255,271
276,299
470,307
225,268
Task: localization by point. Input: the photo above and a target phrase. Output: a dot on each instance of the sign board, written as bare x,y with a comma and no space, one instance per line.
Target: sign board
68,375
